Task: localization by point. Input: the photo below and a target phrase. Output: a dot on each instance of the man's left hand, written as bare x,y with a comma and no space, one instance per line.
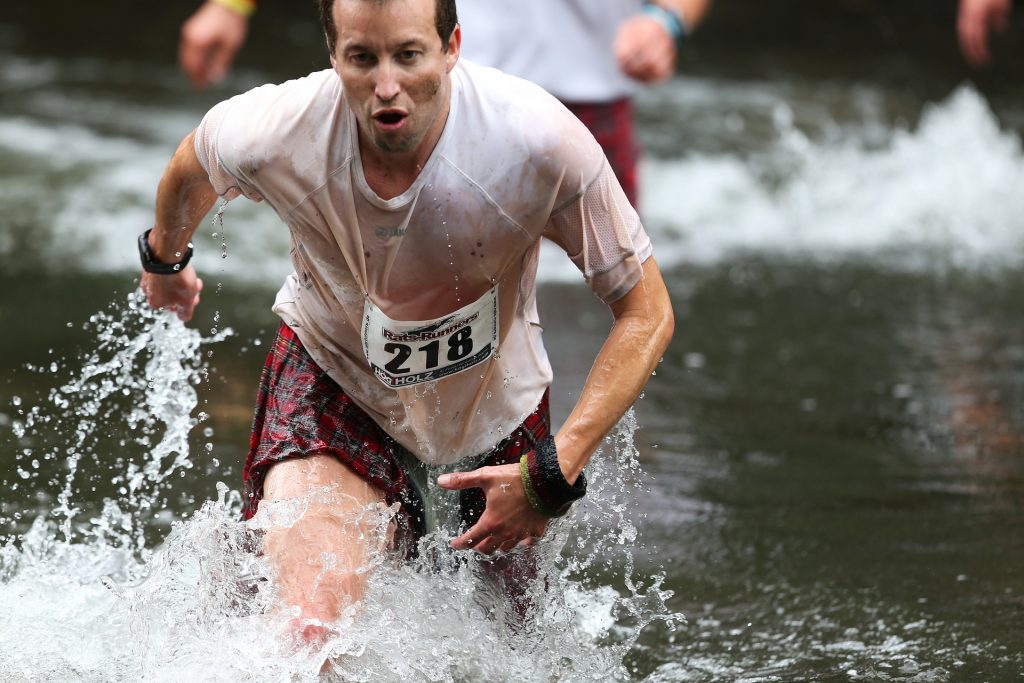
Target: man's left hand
508,518
178,293
645,50
976,20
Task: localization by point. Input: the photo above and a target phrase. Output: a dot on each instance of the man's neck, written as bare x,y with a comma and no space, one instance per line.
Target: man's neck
389,174
386,174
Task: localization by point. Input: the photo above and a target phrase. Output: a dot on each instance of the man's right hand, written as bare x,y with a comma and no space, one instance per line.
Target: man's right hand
210,39
508,519
178,292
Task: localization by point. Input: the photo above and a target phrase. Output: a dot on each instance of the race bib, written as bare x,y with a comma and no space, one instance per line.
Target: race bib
404,353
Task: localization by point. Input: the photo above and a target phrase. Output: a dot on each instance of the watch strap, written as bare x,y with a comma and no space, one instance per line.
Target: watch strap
151,265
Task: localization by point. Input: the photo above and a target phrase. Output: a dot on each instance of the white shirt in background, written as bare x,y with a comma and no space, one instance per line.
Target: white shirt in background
564,46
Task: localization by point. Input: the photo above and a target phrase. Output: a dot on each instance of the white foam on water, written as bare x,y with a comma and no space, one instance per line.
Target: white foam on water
943,188
82,170
188,611
95,613
94,219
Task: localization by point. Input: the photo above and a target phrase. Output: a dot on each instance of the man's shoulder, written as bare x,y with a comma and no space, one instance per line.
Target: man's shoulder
511,110
500,90
522,124
281,116
287,104
278,137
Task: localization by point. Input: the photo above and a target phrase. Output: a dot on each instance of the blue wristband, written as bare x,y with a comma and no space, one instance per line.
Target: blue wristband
671,21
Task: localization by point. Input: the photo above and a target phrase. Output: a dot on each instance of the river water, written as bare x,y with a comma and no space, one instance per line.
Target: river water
826,483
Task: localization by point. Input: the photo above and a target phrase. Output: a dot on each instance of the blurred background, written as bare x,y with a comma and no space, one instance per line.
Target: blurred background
832,444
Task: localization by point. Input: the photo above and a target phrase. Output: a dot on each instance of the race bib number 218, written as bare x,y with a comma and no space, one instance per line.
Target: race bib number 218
404,353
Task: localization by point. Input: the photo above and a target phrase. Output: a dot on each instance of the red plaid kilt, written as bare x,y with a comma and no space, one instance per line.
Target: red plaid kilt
300,411
611,123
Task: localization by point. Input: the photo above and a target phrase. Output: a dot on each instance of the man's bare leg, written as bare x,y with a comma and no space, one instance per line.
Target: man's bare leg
318,557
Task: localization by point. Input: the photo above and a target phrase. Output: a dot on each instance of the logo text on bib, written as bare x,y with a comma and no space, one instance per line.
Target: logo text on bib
404,353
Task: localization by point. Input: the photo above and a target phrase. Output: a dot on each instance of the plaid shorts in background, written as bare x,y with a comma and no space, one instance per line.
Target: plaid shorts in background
301,411
611,123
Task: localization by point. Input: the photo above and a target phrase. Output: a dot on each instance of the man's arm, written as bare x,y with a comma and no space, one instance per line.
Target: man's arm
974,24
643,327
211,38
644,46
183,198
641,332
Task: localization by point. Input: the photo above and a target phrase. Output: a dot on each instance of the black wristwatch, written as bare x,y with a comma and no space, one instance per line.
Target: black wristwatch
151,265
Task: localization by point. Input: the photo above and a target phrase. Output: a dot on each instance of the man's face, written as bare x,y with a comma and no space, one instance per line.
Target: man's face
394,69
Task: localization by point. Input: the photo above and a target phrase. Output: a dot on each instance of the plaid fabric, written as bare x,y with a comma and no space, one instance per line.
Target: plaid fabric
611,123
300,411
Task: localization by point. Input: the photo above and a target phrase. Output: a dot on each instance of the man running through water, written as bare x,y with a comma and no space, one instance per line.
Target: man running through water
416,189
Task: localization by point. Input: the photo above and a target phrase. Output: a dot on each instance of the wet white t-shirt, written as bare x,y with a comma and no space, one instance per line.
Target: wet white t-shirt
422,307
565,46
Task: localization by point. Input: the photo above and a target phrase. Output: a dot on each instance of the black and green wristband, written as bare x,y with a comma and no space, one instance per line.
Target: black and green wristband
546,488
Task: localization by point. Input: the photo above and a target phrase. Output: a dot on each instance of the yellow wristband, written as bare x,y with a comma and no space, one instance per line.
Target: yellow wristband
243,7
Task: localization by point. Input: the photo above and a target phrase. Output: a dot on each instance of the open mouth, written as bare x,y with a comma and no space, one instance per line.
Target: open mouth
389,118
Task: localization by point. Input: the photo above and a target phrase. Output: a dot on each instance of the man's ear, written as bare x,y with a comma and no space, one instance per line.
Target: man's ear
454,48
330,52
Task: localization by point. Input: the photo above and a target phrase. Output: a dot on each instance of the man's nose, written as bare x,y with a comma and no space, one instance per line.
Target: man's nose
387,85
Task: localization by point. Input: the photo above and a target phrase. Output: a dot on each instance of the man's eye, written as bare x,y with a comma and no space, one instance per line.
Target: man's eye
408,55
360,58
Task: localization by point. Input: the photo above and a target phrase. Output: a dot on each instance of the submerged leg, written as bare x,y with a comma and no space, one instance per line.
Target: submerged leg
333,532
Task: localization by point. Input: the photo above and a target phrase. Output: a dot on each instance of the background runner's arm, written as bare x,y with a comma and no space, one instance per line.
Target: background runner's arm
211,38
693,11
976,21
644,48
183,198
643,326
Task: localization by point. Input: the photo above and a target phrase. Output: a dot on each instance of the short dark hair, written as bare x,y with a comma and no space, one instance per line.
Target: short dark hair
445,18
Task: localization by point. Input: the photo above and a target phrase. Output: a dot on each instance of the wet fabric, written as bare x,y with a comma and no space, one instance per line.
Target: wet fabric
612,126
301,411
511,167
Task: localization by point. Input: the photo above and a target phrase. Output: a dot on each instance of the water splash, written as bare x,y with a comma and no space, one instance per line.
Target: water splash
140,381
114,603
445,618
